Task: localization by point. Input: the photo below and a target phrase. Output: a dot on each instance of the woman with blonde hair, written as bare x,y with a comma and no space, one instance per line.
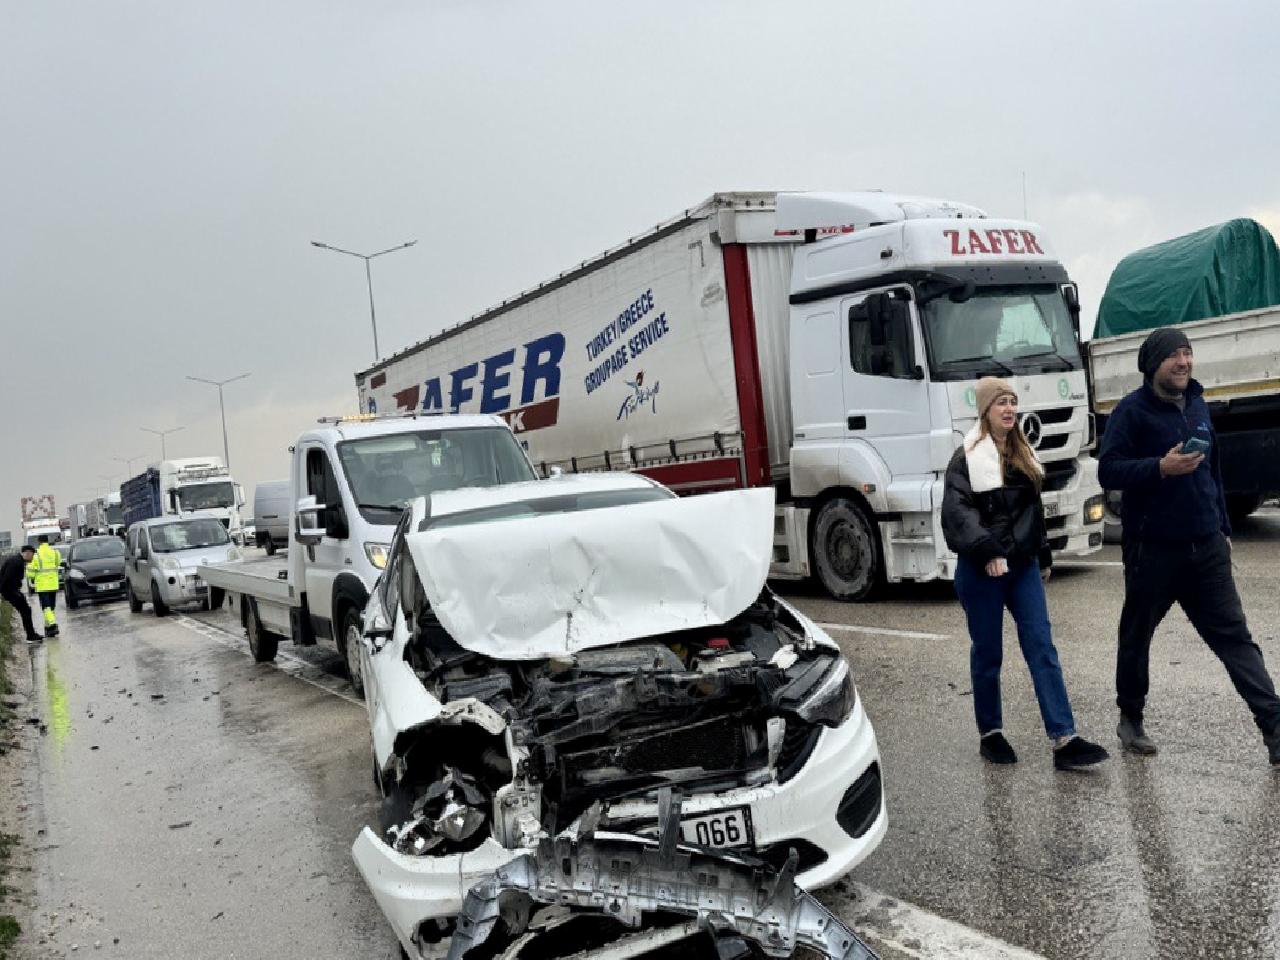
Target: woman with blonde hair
993,519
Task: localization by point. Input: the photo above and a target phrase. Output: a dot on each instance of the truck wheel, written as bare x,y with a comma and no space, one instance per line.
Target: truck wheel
349,647
158,606
844,550
135,605
1240,505
262,644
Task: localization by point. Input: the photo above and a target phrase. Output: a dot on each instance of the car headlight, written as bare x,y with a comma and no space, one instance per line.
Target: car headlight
832,698
377,554
1094,509
75,574
168,563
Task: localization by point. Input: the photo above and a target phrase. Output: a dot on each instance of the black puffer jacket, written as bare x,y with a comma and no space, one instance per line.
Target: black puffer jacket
1005,522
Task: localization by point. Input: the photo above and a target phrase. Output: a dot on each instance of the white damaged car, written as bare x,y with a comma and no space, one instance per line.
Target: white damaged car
591,719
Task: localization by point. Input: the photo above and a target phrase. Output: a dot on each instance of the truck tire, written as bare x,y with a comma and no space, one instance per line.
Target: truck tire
135,605
845,550
349,646
1241,505
262,644
158,606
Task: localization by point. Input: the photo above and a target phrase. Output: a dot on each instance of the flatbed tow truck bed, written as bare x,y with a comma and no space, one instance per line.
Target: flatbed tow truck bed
259,592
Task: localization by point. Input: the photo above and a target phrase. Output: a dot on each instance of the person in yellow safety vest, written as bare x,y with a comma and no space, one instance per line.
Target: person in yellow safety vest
47,563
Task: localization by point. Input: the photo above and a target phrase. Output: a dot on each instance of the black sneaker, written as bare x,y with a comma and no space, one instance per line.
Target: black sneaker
1077,754
994,748
1273,746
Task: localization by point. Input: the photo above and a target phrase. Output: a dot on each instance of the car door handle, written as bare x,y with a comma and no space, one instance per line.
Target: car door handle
857,423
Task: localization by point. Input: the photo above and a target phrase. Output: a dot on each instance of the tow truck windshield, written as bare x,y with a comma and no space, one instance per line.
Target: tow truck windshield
385,473
1000,331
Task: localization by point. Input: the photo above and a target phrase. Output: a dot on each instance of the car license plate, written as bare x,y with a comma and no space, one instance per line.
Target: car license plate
104,587
723,829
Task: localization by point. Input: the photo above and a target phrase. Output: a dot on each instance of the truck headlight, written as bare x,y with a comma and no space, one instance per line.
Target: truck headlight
233,553
1094,509
377,554
832,698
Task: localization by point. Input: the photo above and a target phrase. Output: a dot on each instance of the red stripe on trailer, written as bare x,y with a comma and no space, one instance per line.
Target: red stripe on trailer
698,476
746,363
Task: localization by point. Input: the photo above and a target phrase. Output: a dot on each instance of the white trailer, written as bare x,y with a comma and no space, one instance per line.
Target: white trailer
825,344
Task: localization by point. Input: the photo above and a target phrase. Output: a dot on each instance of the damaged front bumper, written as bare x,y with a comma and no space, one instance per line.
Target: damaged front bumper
631,882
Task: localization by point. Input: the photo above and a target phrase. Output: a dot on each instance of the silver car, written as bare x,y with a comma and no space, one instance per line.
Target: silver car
163,555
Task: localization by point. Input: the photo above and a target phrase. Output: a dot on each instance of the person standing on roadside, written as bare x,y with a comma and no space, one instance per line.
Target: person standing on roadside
993,519
47,564
1160,450
12,573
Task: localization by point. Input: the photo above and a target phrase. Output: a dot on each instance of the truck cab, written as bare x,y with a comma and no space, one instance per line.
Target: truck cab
898,307
202,485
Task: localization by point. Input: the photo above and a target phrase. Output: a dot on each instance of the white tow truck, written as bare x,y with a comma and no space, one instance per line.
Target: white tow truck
351,478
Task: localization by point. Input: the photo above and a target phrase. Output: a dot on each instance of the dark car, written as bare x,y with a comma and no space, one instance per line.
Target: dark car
95,570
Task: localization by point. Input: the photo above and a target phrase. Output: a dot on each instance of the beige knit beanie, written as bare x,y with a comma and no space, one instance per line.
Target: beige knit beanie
991,389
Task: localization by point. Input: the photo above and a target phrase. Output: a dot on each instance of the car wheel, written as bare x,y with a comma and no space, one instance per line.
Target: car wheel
352,630
72,602
262,645
158,606
845,550
135,605
271,547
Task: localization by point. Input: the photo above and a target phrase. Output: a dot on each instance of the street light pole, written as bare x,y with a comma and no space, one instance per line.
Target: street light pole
161,434
226,450
368,277
128,461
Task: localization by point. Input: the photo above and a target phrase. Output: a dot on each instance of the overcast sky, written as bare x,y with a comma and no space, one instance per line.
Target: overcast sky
165,165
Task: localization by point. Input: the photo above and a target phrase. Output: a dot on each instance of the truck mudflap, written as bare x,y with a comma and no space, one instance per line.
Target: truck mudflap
651,897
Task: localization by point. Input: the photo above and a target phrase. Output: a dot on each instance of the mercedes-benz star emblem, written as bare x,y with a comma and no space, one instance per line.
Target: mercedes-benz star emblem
1032,429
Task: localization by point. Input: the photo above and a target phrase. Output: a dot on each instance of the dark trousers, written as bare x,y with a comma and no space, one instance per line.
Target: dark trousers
19,603
1197,576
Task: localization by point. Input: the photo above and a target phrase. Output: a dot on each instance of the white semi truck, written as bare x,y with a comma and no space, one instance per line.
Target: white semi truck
825,344
186,486
350,480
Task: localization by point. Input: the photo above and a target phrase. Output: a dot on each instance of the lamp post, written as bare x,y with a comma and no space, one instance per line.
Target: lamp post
161,434
368,276
128,461
226,450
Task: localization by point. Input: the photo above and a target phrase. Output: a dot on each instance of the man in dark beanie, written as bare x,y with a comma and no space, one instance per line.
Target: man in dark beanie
1160,449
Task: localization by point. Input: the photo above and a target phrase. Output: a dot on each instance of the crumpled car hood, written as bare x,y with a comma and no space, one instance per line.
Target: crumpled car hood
571,581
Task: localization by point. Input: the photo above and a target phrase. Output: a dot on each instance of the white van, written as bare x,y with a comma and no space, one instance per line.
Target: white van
271,514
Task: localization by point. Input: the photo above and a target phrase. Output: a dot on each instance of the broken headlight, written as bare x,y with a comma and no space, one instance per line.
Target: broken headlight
832,698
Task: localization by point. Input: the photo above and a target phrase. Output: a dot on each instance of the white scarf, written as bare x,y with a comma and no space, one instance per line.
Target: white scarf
983,459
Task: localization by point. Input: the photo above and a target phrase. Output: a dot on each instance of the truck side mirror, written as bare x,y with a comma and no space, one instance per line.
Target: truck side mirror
878,315
307,528
1071,294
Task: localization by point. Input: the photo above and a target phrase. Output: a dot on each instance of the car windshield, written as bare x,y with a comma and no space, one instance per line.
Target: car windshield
188,535
206,496
103,549
385,473
1001,330
543,506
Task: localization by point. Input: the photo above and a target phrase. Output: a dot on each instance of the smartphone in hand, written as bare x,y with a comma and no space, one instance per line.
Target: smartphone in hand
1194,445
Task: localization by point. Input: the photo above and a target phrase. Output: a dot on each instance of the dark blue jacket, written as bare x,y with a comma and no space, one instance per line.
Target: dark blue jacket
1140,431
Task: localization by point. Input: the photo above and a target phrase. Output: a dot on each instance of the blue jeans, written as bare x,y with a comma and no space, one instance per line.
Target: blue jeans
984,600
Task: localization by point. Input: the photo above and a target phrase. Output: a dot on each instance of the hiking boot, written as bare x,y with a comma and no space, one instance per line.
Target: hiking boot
994,748
1273,746
1134,739
1077,754
51,631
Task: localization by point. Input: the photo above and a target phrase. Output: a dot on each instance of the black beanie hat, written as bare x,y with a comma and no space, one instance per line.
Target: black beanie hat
1160,344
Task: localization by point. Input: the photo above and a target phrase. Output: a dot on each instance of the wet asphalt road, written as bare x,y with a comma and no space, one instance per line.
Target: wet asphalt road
214,818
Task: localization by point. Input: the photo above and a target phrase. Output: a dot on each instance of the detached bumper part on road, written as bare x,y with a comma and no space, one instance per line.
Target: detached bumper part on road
624,883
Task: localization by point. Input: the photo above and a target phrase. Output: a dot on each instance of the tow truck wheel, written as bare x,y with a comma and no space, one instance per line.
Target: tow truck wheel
352,630
262,644
844,550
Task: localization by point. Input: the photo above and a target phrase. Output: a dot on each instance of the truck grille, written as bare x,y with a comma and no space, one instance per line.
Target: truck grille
1058,474
1055,415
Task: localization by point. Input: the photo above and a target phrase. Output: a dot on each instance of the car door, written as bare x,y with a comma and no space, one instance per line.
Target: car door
331,555
142,568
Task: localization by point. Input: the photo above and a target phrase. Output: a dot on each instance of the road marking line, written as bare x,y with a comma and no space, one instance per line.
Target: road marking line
860,628
292,666
901,926
916,932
